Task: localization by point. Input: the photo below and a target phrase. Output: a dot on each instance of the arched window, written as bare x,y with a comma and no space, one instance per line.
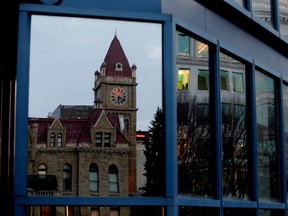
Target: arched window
67,177
59,140
52,139
42,169
94,178
113,179
126,125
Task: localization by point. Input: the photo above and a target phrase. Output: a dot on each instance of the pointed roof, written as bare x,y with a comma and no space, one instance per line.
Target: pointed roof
114,56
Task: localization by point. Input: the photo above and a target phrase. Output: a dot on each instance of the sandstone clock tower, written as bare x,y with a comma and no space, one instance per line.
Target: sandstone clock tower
115,92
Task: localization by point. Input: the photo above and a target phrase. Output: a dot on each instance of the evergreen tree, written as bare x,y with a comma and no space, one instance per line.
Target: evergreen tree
154,153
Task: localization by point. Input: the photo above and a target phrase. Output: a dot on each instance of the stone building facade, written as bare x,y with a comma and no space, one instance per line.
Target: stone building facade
89,156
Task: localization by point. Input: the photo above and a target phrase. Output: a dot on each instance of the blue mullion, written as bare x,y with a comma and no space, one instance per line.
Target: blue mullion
253,133
22,92
170,104
275,16
22,83
282,141
216,139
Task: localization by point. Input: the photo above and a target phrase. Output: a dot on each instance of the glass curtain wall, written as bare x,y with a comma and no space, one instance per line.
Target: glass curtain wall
262,9
234,129
268,158
283,12
194,156
285,101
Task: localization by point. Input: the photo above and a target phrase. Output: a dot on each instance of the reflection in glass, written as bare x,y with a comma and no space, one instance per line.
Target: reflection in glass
225,82
238,212
197,211
283,12
92,144
234,129
268,162
183,78
285,101
271,212
262,9
183,44
203,79
194,158
240,2
95,210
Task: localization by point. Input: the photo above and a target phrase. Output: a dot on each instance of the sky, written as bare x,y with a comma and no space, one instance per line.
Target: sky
65,53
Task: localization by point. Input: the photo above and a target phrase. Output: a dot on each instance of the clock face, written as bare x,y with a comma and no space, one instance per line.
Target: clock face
118,96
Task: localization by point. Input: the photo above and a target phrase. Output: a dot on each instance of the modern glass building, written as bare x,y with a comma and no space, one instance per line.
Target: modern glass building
224,98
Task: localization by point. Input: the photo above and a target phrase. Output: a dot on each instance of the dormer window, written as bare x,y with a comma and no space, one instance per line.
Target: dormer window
119,67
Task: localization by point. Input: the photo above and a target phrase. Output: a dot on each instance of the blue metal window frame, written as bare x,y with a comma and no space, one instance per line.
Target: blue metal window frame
169,95
251,65
172,200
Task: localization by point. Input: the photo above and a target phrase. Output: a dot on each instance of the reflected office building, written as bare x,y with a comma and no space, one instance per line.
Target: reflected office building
194,127
89,150
196,138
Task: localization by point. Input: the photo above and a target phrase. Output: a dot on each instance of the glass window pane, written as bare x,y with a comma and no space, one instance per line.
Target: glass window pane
268,160
225,83
283,11
197,211
194,156
238,85
285,101
239,212
234,132
183,44
203,79
262,9
184,79
95,101
240,2
97,210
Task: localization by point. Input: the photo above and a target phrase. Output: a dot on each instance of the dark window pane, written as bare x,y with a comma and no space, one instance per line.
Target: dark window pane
194,156
235,150
268,160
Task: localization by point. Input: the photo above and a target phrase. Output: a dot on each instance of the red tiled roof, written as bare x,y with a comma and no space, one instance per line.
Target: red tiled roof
115,54
77,130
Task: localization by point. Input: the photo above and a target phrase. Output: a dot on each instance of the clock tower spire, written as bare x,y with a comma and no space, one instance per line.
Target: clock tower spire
115,92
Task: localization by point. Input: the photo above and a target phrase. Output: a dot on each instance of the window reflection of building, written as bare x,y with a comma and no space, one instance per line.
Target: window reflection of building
89,150
267,138
194,124
234,128
265,11
193,117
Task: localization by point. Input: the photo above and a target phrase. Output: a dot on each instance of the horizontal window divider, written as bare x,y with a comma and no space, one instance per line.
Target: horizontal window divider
192,201
93,201
239,204
94,13
271,205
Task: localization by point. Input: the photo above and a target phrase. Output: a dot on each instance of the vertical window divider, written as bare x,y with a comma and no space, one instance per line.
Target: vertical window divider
21,145
170,103
275,14
248,5
253,132
215,112
282,149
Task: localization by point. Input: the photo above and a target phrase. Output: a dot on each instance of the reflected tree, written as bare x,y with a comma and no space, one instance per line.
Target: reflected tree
154,165
153,151
195,158
234,151
193,148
